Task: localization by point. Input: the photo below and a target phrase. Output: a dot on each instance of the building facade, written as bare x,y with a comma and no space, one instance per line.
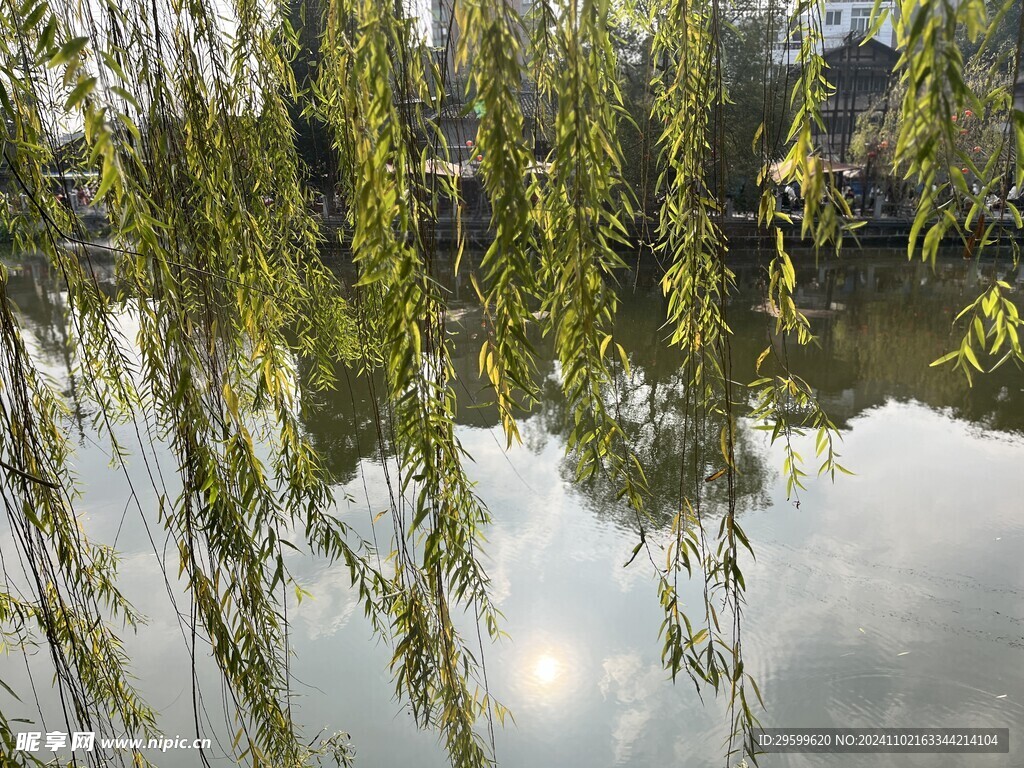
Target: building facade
861,73
457,118
442,28
1018,90
840,20
860,69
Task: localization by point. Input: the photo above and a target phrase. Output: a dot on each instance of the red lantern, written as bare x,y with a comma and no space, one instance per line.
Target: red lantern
977,149
469,143
953,118
964,171
968,113
479,158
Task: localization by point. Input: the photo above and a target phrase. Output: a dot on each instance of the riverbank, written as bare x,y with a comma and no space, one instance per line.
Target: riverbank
742,233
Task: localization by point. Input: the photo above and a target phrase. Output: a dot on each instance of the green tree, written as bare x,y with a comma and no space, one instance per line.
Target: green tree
980,127
754,87
757,97
190,119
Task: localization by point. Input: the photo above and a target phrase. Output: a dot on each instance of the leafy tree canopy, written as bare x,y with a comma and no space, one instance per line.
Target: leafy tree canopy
189,118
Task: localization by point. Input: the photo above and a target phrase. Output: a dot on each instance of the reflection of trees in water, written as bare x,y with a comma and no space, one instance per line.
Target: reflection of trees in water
893,321
44,309
879,321
341,423
35,293
879,324
652,410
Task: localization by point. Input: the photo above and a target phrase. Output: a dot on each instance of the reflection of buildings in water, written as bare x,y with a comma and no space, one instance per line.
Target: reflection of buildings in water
896,319
880,322
41,299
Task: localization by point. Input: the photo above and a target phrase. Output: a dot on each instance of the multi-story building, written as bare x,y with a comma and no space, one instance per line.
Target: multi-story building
442,28
1018,100
860,70
457,118
841,19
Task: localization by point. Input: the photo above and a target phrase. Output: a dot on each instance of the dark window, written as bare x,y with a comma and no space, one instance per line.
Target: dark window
861,19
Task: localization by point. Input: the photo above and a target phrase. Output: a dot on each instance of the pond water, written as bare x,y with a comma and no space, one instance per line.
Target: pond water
891,598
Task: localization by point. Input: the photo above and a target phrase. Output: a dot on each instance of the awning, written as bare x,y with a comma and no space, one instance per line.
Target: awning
443,167
815,165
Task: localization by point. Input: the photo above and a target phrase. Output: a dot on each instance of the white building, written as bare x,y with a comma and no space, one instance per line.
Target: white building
442,30
841,19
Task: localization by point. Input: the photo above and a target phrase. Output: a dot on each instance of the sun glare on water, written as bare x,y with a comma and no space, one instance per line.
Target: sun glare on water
546,669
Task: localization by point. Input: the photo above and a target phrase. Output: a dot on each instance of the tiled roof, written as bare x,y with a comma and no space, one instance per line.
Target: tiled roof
456,108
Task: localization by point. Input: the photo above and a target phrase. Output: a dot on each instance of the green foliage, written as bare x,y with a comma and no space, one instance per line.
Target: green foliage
491,46
436,557
580,217
191,129
756,98
934,154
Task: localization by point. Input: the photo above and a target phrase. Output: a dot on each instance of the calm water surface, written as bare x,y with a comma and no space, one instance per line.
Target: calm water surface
891,598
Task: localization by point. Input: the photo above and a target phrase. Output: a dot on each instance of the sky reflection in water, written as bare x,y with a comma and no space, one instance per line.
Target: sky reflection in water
892,598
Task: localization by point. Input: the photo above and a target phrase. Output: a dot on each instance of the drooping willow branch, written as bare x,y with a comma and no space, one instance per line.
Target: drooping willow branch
187,121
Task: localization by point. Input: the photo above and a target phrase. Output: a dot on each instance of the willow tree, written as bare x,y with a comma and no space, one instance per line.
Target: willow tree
185,111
